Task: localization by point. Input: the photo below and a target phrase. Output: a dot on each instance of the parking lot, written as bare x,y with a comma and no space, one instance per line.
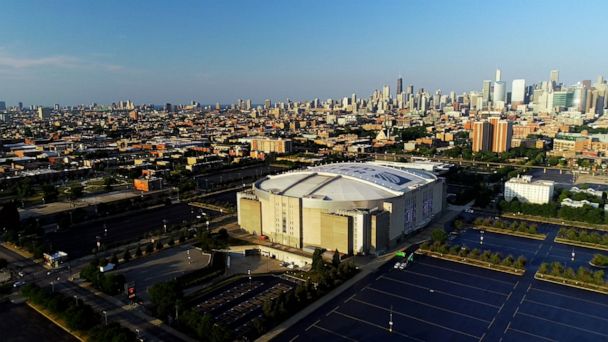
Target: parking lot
437,300
237,304
163,266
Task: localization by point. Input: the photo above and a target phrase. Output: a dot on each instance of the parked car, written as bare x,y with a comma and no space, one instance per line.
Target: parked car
397,264
18,284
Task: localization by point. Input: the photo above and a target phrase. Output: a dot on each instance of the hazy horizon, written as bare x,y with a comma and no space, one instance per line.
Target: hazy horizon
72,52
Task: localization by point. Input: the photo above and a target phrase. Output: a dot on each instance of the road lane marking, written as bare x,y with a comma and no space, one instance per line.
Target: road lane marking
425,304
417,319
294,338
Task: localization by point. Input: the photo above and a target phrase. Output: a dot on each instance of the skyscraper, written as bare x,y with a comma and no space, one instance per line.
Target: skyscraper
486,91
554,76
518,92
498,75
482,136
399,86
386,92
499,93
2,106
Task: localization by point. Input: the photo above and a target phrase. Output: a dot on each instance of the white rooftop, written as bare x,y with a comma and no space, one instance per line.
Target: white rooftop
346,182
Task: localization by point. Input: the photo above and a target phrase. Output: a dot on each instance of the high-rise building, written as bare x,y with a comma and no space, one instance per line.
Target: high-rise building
399,86
502,133
498,75
554,76
168,107
386,92
518,92
482,136
486,91
2,106
500,92
20,105
268,103
410,89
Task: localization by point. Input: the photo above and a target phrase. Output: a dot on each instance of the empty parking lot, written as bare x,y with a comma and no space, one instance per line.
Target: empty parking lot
437,300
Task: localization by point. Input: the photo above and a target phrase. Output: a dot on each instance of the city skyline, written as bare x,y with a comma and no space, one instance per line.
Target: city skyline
217,52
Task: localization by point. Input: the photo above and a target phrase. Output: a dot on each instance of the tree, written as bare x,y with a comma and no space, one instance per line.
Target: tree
317,260
114,259
149,248
164,297
439,235
76,191
138,251
49,192
126,256
159,245
335,261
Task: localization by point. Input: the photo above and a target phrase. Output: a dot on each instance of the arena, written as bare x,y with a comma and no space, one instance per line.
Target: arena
352,207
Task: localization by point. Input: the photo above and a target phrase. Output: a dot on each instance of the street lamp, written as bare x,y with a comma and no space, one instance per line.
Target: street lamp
481,238
105,315
52,286
390,321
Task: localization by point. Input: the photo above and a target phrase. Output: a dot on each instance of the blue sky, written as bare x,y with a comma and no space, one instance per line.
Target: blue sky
80,51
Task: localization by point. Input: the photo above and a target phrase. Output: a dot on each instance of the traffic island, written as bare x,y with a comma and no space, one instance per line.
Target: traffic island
486,259
571,283
506,231
581,244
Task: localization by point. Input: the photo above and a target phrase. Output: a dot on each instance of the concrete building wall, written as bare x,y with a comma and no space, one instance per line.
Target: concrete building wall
337,232
379,227
250,215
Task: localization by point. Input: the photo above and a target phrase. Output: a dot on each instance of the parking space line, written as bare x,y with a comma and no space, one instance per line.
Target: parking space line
563,324
351,297
294,338
378,326
425,304
516,283
568,310
491,323
523,298
570,297
439,291
530,334
334,333
462,272
482,336
516,311
509,296
310,326
416,318
507,328
456,282
334,309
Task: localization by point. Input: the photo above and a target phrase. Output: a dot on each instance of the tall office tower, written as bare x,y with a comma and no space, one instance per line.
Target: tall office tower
410,89
353,99
453,97
498,75
20,105
518,92
554,76
499,93
386,92
486,91
502,133
399,86
268,103
482,136
2,106
168,107
248,104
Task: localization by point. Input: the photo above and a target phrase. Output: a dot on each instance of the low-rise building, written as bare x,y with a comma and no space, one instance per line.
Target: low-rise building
526,190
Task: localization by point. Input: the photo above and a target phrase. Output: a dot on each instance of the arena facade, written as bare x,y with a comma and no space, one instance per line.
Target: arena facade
357,208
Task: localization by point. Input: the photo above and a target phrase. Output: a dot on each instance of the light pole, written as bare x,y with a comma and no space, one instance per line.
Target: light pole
52,286
390,321
105,315
481,237
76,299
573,255
249,274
